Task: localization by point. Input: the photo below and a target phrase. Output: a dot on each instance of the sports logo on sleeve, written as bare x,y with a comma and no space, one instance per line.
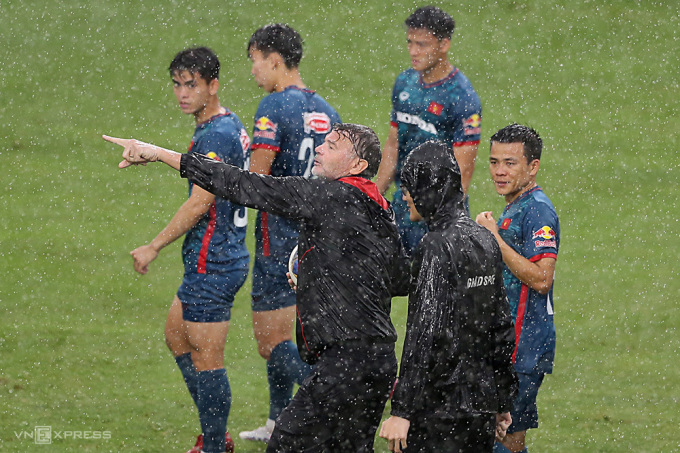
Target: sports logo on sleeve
213,156
473,125
265,128
316,122
506,223
544,237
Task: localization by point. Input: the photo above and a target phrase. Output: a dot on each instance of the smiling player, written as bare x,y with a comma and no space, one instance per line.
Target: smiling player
528,233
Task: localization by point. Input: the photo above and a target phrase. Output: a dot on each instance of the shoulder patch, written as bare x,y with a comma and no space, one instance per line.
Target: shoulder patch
473,125
317,122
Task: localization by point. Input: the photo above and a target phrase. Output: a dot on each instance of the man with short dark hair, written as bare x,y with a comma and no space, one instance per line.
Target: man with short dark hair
432,100
351,264
456,380
528,233
289,123
214,253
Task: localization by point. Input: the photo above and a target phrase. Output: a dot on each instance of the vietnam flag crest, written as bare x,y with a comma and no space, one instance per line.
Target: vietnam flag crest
435,109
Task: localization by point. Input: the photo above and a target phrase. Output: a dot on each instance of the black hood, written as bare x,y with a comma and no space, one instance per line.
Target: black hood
432,177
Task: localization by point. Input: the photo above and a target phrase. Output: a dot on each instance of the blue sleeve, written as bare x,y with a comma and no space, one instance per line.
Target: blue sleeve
266,130
541,232
226,146
468,114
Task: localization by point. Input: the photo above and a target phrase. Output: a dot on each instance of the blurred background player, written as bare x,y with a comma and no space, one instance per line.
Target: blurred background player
456,380
528,233
432,100
290,123
214,251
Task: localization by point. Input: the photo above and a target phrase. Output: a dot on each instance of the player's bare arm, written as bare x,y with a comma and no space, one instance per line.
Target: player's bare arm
466,156
261,160
537,275
395,430
184,219
388,163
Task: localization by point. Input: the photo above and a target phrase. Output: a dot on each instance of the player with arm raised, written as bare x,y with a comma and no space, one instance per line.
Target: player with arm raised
528,232
432,100
290,123
214,252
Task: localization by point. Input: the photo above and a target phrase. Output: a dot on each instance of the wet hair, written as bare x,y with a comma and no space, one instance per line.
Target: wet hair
199,60
434,19
279,38
366,145
516,133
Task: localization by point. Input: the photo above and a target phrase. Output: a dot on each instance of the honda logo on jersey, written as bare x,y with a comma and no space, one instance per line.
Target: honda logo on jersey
316,122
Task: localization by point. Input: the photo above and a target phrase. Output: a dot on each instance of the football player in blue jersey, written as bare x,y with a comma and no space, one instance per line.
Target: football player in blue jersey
528,233
290,122
214,251
432,100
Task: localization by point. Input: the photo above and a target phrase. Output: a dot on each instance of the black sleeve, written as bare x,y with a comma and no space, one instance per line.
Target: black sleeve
427,312
401,272
291,197
504,343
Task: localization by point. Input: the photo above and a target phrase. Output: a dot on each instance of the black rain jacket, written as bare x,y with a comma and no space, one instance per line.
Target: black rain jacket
457,356
351,261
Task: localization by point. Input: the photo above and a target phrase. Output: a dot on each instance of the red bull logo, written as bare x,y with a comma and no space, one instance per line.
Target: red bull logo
265,124
546,233
473,125
545,237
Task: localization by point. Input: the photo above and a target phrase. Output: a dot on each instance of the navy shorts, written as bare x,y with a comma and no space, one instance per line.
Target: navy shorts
270,284
524,411
209,297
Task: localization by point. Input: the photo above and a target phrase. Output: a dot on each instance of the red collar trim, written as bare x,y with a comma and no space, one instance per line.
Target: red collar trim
367,187
438,82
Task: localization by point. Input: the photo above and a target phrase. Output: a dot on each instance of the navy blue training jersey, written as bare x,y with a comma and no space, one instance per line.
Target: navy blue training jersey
448,110
530,226
217,242
292,123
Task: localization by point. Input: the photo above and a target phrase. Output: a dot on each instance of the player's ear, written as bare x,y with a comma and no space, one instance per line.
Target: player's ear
213,86
445,45
534,167
276,59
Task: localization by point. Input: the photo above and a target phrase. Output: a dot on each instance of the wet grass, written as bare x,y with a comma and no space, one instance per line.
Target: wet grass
81,342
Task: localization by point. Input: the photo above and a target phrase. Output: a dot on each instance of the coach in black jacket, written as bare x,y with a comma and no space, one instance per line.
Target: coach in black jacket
351,263
456,370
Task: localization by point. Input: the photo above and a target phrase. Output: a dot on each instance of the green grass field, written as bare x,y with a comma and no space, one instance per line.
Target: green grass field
81,334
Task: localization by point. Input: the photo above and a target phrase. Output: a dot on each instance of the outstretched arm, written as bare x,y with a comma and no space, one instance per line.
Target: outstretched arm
140,153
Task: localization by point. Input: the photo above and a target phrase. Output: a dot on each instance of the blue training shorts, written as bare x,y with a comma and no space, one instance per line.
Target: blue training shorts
524,411
209,297
270,284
